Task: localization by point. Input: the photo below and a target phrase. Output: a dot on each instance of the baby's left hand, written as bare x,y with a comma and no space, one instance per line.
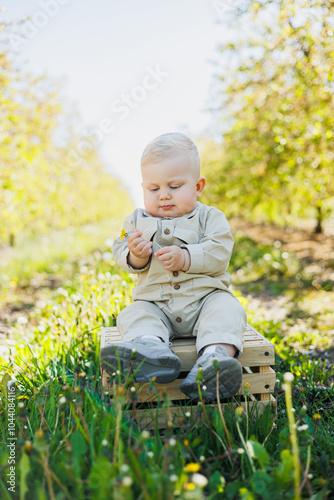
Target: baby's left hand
172,257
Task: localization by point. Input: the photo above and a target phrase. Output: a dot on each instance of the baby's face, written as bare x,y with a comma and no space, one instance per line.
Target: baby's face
171,187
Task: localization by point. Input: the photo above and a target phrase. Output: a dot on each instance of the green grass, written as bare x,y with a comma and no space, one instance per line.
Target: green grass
74,442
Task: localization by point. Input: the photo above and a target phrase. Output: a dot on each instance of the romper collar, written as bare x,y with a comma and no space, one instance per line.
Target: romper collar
189,215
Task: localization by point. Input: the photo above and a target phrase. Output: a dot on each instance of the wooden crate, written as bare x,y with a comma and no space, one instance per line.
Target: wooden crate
257,356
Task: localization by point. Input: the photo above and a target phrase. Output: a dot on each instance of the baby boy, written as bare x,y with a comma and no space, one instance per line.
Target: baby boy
180,249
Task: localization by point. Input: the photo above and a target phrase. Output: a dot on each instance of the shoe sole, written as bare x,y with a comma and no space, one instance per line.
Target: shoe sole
165,368
230,377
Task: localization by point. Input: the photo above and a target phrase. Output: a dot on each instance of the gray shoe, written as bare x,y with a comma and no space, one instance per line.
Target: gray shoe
230,376
159,361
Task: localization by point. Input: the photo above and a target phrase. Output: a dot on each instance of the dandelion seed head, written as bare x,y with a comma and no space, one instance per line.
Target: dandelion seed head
127,481
288,377
200,480
145,434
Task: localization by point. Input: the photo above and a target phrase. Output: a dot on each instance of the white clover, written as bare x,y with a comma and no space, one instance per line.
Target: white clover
240,451
302,428
304,407
204,387
188,414
41,328
173,478
145,434
41,304
172,442
62,400
106,256
202,458
293,410
62,291
21,405
124,468
21,320
150,454
199,479
108,243
104,442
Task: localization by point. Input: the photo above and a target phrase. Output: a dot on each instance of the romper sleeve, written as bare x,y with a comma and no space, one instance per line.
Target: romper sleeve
212,254
120,247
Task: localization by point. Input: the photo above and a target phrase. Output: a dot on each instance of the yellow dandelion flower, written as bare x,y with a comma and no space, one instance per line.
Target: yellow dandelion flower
192,467
190,486
316,416
186,442
123,233
239,411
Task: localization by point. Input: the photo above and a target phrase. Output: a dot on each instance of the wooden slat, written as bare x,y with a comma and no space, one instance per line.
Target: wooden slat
257,349
260,383
263,372
148,417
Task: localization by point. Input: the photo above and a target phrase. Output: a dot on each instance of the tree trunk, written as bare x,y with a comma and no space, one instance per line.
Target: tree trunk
318,228
12,239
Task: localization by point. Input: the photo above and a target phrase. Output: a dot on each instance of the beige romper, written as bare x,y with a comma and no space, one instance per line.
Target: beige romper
196,302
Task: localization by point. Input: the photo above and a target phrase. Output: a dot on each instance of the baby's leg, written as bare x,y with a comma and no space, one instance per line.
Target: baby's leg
143,318
220,330
221,321
145,346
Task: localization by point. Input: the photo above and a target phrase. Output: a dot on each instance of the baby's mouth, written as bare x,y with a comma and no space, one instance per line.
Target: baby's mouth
167,206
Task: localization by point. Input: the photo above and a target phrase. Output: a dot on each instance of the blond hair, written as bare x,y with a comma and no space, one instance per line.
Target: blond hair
169,145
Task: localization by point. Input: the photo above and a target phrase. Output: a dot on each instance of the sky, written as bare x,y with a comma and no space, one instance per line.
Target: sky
134,69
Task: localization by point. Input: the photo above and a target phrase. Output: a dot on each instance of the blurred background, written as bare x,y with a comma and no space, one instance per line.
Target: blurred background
84,86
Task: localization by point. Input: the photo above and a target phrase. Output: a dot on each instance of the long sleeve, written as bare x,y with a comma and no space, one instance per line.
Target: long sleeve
120,247
212,254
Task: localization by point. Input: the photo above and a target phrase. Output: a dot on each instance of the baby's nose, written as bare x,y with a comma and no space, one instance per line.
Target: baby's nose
165,194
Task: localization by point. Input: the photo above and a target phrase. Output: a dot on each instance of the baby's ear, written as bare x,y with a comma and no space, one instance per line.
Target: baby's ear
200,185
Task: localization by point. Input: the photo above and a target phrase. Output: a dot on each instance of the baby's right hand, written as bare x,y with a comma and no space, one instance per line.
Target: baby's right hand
139,247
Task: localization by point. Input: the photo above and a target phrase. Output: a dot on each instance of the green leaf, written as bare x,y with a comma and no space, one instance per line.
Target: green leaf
257,451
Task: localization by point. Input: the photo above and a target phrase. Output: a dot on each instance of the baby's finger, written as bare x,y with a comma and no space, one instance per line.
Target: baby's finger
164,257
135,235
161,251
138,247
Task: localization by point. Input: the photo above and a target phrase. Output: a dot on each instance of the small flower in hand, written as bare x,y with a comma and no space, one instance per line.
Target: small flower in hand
123,233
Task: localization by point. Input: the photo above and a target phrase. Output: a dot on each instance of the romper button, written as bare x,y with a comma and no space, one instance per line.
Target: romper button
166,231
175,273
176,287
178,320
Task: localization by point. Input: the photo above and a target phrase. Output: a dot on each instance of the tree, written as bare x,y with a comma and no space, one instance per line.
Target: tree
278,110
47,183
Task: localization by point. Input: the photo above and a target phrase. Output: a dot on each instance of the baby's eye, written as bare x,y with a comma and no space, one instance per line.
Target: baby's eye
154,189
174,187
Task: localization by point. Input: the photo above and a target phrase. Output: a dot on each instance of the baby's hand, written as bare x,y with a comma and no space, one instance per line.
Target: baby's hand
172,257
139,248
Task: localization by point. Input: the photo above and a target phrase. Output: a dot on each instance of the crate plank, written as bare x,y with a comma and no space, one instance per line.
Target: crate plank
147,418
260,383
257,349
